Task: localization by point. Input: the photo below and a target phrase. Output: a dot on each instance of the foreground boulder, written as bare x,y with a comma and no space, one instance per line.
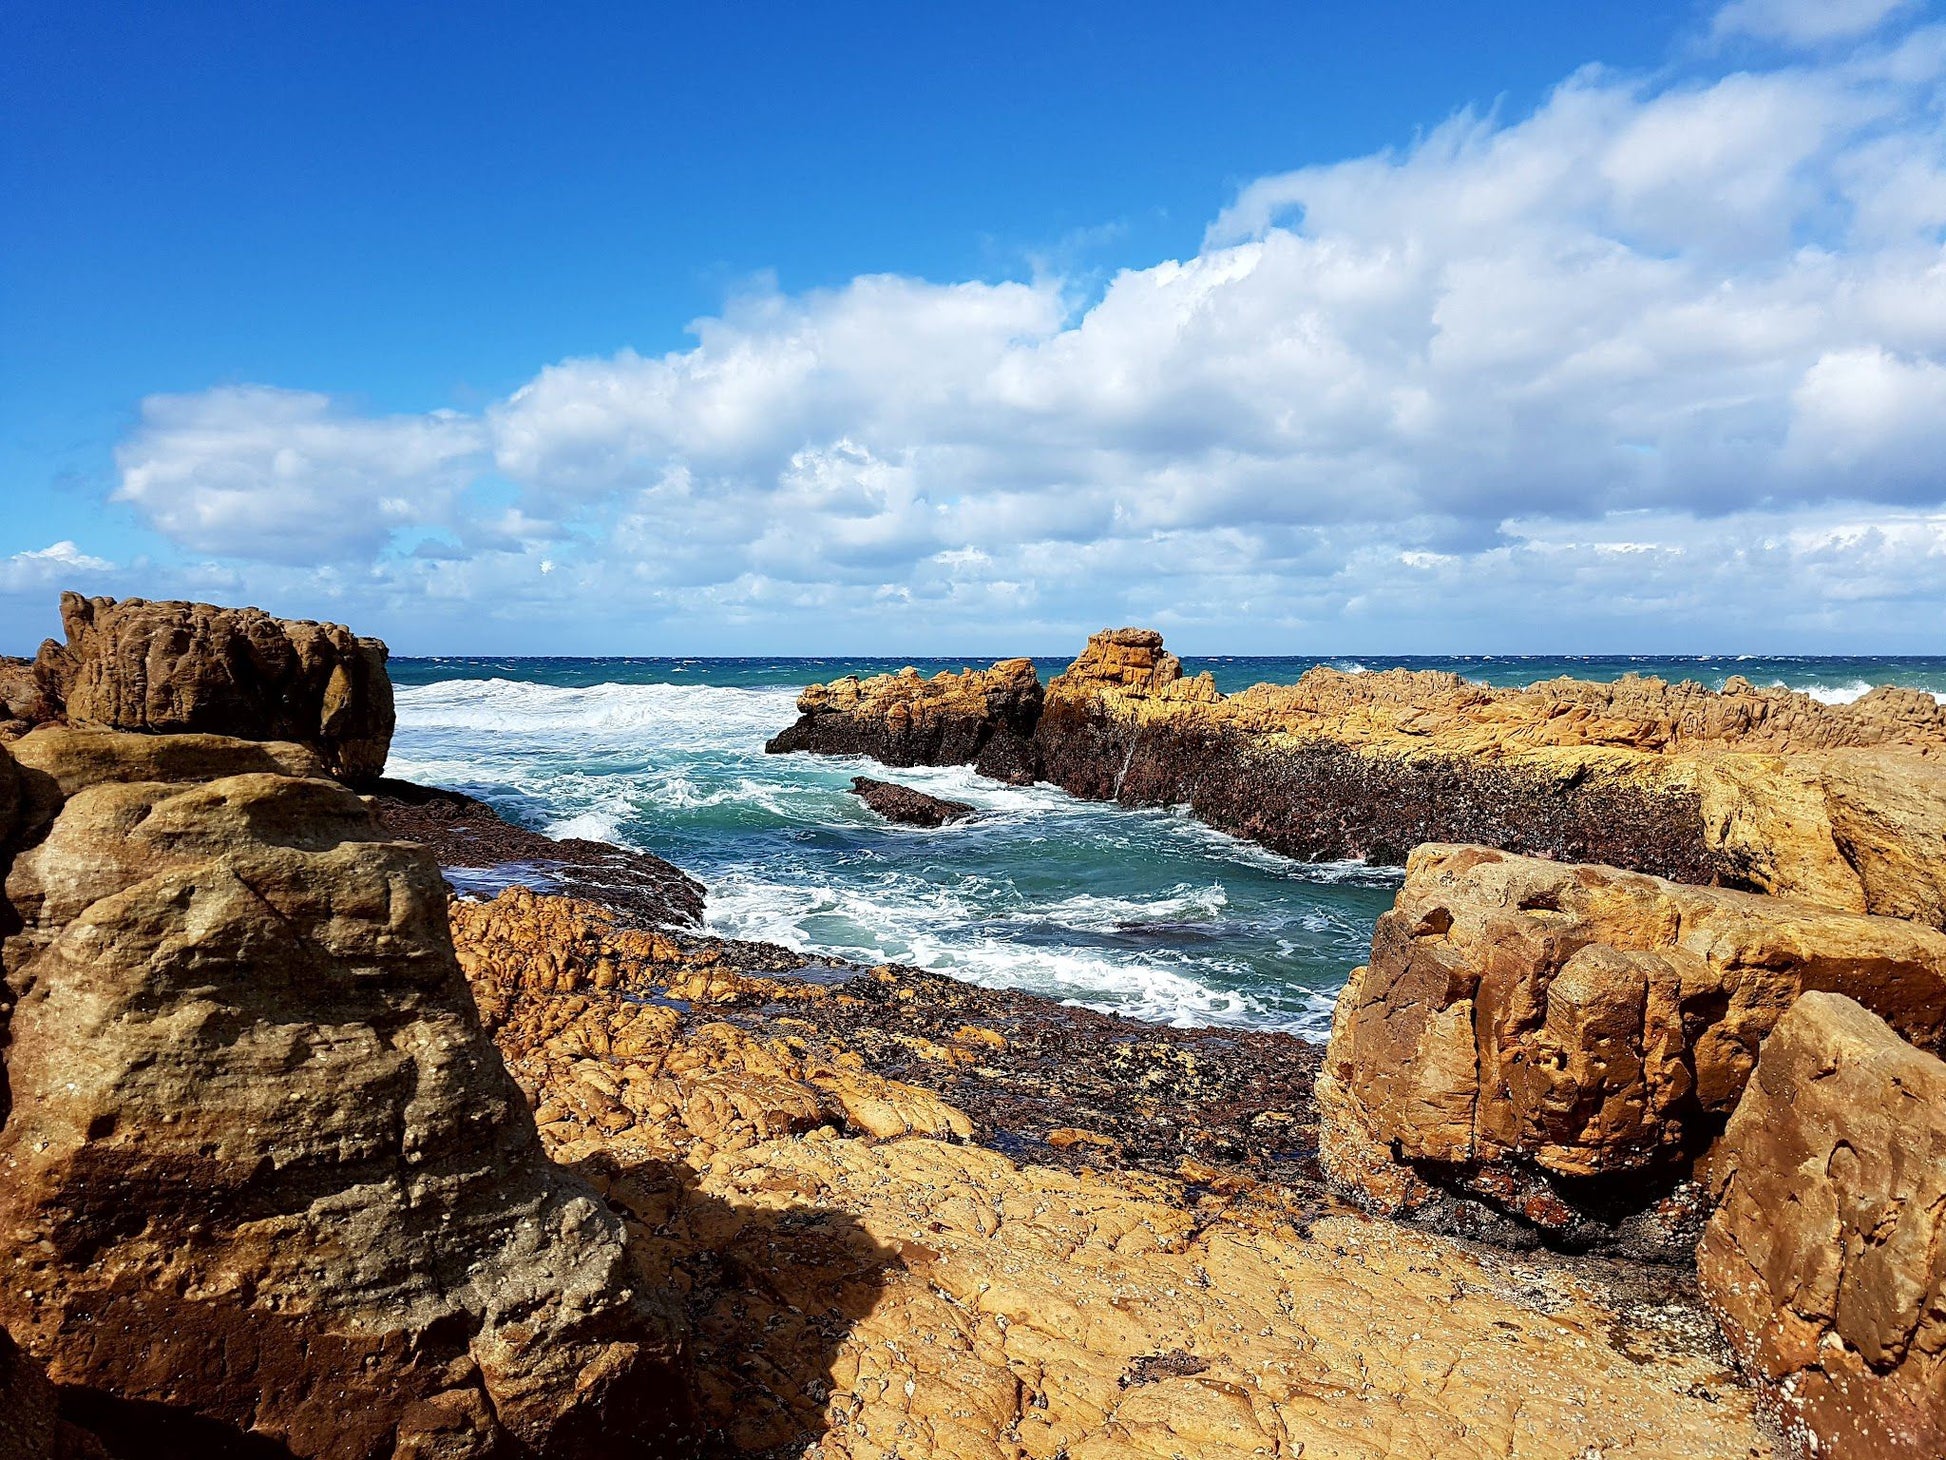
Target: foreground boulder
1538,1034
907,806
1826,1258
173,667
1758,788
263,1170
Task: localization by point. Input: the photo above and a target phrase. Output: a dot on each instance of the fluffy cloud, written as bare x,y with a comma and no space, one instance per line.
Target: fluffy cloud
1622,361
61,564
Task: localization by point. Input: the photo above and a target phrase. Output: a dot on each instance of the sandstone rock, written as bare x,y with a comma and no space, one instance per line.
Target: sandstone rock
1826,1257
263,1167
1759,788
31,1427
979,717
189,667
1521,1016
23,704
905,805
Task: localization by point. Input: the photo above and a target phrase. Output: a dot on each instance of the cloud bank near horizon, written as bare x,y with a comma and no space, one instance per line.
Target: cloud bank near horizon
1662,363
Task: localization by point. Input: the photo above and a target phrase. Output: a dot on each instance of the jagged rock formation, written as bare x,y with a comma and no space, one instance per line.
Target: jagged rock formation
189,667
979,717
1765,789
1525,1026
904,804
31,1427
1824,1258
263,1170
865,1280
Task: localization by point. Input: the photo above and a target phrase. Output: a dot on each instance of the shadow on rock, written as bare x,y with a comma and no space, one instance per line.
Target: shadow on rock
770,1294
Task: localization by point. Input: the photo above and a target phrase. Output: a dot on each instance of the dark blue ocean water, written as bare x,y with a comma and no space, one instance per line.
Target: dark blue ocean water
1146,913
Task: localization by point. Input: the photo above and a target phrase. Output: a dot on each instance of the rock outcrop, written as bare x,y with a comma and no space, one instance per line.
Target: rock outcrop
905,805
979,717
263,1171
166,668
31,1427
1826,1257
1758,788
1528,1031
865,1279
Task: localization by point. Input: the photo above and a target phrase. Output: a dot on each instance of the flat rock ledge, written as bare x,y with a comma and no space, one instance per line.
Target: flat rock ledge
907,806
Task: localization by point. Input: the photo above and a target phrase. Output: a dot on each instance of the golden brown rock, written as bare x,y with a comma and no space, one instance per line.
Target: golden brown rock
263,1168
190,667
1826,1257
1522,1015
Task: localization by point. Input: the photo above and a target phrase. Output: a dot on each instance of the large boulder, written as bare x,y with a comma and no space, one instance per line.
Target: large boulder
166,668
263,1168
1529,1031
1826,1257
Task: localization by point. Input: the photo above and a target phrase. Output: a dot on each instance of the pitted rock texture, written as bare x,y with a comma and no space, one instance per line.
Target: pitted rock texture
865,1281
1758,788
31,1427
978,717
1521,1017
481,851
1826,1258
263,1170
905,805
167,668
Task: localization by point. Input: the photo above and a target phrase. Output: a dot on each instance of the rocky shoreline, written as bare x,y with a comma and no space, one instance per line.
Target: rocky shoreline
306,1154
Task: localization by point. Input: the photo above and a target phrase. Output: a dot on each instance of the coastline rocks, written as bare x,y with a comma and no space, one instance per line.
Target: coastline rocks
263,1170
1527,1031
907,806
1824,1260
178,667
1759,788
482,852
979,717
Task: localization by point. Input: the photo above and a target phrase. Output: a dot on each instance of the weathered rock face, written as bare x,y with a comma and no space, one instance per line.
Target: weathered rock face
907,806
979,717
263,1166
31,1427
190,667
1764,789
1525,1018
1826,1257
864,1280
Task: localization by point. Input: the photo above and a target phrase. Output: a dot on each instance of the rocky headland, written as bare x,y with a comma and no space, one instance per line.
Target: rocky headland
307,1151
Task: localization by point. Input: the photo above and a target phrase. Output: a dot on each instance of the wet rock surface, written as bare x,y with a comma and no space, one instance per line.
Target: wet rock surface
873,1265
905,805
1563,1040
483,851
172,667
264,1181
1823,1258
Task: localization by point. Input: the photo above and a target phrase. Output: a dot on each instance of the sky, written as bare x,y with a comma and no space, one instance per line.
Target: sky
878,328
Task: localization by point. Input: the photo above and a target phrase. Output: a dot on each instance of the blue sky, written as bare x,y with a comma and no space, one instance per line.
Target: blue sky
948,328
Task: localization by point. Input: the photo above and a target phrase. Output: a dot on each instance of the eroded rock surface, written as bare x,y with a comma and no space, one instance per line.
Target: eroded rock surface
865,1279
905,805
1758,788
1826,1258
190,667
1523,1018
263,1170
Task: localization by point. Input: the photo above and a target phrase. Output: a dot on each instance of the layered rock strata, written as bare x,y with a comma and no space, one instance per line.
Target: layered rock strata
1826,1257
171,667
1529,1031
905,805
263,1173
868,1275
1763,789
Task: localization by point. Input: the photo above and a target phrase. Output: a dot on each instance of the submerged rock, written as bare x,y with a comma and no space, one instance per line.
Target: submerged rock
175,667
903,804
1824,1257
263,1171
1532,1033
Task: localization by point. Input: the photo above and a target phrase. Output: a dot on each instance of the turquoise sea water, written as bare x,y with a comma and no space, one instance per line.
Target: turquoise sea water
1146,913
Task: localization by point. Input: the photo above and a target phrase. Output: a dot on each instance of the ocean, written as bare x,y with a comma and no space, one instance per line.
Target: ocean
1145,913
